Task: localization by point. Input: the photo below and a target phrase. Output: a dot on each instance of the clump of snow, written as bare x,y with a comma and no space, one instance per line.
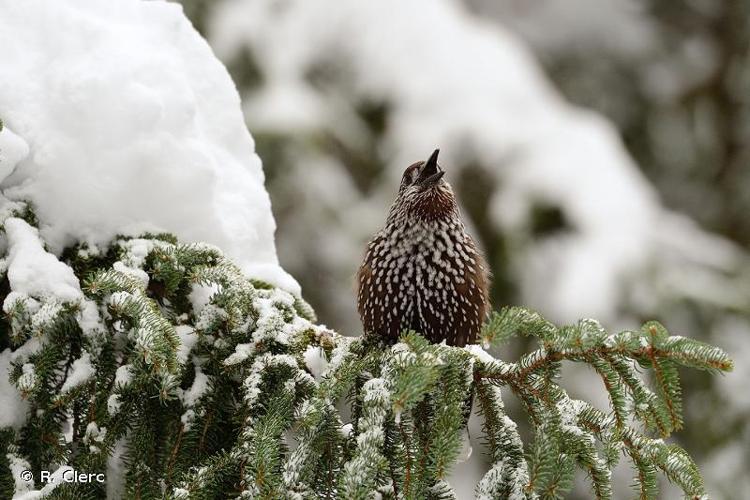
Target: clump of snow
339,354
34,271
191,396
136,251
188,338
480,353
181,493
347,430
123,138
17,299
209,315
124,375
17,466
200,296
240,354
81,372
13,407
94,436
276,322
138,274
569,410
113,404
197,389
315,360
88,318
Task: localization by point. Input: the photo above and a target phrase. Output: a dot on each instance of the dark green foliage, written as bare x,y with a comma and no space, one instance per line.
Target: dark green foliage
201,383
567,428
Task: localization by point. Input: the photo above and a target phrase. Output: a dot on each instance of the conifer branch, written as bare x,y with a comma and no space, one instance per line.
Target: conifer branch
202,380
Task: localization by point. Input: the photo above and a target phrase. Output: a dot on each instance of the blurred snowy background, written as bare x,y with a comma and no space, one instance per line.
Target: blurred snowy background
599,149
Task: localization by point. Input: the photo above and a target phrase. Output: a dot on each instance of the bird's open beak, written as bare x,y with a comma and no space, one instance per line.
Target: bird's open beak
431,171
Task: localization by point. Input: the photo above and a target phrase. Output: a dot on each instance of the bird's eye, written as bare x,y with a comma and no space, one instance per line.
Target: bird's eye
411,174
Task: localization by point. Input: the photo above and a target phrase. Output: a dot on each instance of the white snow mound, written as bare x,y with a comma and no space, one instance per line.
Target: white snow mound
34,271
132,125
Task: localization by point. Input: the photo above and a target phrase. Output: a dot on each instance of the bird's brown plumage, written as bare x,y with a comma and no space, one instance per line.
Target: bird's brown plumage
422,271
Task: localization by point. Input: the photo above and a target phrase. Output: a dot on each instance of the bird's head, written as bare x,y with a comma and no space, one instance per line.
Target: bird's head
423,191
422,175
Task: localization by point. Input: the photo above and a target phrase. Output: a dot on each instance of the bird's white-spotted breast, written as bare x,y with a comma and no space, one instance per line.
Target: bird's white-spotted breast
422,271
